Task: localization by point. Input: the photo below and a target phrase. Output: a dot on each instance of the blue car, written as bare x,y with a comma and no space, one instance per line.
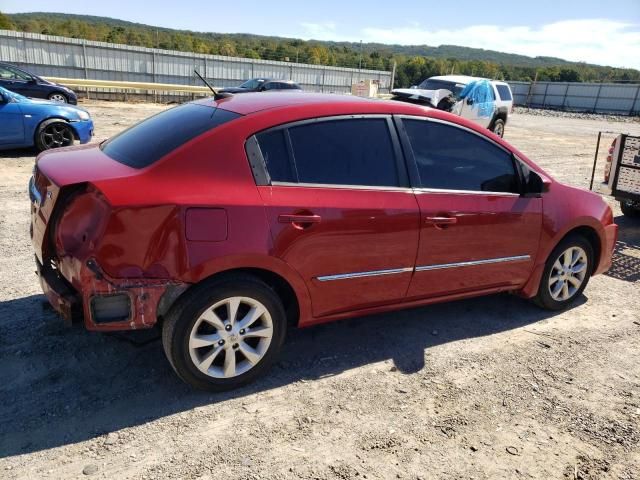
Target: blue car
26,123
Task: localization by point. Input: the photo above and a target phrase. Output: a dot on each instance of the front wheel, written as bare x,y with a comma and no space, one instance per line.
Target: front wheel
54,134
224,334
58,98
566,273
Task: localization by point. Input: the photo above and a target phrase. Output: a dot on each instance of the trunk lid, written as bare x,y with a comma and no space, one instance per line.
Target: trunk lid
86,163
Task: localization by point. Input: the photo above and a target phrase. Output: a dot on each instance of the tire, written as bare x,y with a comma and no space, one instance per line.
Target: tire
204,352
58,97
498,127
53,133
629,209
552,295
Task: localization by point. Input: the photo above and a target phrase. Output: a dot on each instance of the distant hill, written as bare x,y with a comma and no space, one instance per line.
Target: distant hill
414,62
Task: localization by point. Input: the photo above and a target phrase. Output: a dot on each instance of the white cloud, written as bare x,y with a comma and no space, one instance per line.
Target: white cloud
320,31
603,42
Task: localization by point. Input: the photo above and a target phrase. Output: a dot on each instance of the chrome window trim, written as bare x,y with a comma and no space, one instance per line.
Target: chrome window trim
465,192
518,258
373,273
332,185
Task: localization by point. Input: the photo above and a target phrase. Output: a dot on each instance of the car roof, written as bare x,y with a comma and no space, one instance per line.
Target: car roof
456,78
249,103
465,79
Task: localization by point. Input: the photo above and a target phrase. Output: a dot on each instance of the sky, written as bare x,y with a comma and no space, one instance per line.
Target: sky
593,31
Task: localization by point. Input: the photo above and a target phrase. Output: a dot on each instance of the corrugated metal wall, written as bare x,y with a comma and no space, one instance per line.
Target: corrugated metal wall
618,98
51,56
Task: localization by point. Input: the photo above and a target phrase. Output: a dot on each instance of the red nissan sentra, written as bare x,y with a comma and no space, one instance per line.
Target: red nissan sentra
223,221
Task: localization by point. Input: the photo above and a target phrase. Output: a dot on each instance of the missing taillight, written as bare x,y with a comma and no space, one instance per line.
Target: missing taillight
80,223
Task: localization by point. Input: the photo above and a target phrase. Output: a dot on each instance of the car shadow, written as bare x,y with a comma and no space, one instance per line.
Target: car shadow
19,153
625,263
62,386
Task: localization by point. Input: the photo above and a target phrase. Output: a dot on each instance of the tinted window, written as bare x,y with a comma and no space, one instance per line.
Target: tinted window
274,151
345,152
153,138
455,159
504,92
13,74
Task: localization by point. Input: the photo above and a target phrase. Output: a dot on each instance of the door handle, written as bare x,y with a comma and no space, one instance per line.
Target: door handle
441,220
299,221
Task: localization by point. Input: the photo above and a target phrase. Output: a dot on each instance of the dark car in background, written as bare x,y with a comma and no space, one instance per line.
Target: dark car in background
263,85
29,85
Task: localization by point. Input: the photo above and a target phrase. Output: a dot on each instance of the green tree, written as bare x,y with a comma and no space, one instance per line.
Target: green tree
6,23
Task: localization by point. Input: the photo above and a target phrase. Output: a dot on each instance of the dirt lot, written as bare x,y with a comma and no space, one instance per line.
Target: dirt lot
486,388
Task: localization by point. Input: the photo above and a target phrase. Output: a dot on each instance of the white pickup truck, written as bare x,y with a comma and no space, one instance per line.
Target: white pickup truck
443,92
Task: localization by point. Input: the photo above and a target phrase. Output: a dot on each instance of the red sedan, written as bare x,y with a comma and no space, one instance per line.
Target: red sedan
223,221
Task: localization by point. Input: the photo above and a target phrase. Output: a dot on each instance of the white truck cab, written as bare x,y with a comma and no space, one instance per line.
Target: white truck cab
432,91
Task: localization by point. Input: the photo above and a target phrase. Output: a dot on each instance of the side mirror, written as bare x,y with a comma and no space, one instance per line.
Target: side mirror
469,101
535,185
3,99
414,86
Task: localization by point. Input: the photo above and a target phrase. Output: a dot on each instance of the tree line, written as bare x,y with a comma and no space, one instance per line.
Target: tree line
411,68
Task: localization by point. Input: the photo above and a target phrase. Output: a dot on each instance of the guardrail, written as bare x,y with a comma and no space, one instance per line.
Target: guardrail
153,87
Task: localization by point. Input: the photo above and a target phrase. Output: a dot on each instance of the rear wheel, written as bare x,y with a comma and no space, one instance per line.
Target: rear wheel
225,333
54,134
630,209
566,273
498,128
58,97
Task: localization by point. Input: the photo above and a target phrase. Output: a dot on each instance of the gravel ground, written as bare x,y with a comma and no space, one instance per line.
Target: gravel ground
484,388
579,115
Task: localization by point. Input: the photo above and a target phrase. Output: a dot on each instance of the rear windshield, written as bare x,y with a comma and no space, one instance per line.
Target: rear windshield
153,138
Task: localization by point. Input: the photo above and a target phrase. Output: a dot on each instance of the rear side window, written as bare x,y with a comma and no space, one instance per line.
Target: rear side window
344,152
451,158
153,138
273,145
504,92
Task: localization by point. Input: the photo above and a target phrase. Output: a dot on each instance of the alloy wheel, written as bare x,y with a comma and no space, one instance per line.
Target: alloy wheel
568,273
58,98
230,337
57,135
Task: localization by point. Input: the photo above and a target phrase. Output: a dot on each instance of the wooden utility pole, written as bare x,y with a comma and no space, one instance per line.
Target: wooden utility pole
393,76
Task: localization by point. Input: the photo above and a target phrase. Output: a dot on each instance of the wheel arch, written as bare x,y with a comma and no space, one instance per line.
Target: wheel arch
501,114
589,232
54,117
294,301
591,235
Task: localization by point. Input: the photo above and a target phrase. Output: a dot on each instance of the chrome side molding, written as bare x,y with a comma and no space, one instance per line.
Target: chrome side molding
519,258
376,273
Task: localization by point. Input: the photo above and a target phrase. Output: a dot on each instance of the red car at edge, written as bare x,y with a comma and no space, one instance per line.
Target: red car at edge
224,220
